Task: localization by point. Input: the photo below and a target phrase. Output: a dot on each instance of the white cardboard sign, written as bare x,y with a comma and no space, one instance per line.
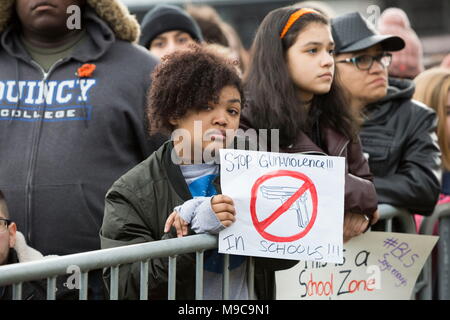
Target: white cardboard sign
376,266
288,206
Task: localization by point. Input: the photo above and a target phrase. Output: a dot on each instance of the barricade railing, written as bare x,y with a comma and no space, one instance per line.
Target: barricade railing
113,258
441,215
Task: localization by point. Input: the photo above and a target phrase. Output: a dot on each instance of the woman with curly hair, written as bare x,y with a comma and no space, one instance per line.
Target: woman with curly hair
197,95
293,88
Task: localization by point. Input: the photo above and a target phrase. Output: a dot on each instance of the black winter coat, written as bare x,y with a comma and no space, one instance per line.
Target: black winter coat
400,140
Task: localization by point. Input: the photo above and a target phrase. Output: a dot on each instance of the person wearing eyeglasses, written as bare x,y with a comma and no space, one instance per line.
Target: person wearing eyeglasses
14,249
11,242
397,133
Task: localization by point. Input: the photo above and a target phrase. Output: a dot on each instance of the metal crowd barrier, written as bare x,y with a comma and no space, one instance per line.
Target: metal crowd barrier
440,215
406,223
112,258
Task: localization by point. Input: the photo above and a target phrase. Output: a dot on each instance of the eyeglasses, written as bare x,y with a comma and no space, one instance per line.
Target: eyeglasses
4,224
365,62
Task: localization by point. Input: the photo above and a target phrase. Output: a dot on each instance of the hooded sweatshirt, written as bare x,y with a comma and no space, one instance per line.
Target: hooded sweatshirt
64,139
399,139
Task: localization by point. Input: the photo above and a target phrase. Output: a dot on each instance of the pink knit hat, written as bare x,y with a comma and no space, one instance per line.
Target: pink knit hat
406,63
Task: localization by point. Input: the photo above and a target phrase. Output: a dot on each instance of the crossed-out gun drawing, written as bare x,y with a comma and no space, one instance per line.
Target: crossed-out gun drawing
283,194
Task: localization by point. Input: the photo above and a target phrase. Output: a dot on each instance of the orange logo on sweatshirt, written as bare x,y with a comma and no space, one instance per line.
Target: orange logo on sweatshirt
86,70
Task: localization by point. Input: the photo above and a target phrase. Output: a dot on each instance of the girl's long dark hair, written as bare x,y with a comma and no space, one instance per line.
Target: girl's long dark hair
273,101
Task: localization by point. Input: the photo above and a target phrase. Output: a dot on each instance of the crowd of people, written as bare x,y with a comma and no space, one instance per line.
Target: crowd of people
89,117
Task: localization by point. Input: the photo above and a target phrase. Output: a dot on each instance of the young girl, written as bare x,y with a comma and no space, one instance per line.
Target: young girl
292,87
191,91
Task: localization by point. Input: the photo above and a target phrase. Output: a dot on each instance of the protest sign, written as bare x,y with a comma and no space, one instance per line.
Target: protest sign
288,206
376,266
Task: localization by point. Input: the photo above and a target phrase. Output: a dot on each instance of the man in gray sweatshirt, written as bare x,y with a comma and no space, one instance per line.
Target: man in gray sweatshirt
72,103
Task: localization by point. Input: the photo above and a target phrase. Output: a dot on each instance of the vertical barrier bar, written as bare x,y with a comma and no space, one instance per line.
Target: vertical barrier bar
17,291
199,275
421,281
389,225
426,292
83,286
251,278
51,288
172,277
226,277
114,294
443,259
144,280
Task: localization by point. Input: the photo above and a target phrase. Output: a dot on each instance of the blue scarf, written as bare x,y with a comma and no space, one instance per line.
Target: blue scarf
204,187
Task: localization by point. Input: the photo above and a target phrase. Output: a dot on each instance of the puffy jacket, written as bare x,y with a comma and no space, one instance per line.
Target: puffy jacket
400,140
136,209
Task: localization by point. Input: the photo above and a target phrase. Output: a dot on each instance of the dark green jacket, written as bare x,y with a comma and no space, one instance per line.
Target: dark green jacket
136,209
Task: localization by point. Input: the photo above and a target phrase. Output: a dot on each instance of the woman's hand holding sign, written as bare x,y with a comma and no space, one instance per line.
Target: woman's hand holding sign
354,225
223,207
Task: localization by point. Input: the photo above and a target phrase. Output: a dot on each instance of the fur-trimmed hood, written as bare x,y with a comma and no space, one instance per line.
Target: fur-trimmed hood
113,12
25,253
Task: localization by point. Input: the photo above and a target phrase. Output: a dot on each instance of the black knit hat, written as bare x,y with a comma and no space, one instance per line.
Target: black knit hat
165,18
351,32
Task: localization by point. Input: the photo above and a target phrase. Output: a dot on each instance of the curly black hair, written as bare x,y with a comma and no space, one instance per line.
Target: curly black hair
188,80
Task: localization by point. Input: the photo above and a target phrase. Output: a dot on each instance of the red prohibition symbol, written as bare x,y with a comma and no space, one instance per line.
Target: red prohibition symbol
261,226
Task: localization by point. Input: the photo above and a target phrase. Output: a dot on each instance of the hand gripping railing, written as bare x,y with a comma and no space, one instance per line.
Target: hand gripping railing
440,214
16,274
